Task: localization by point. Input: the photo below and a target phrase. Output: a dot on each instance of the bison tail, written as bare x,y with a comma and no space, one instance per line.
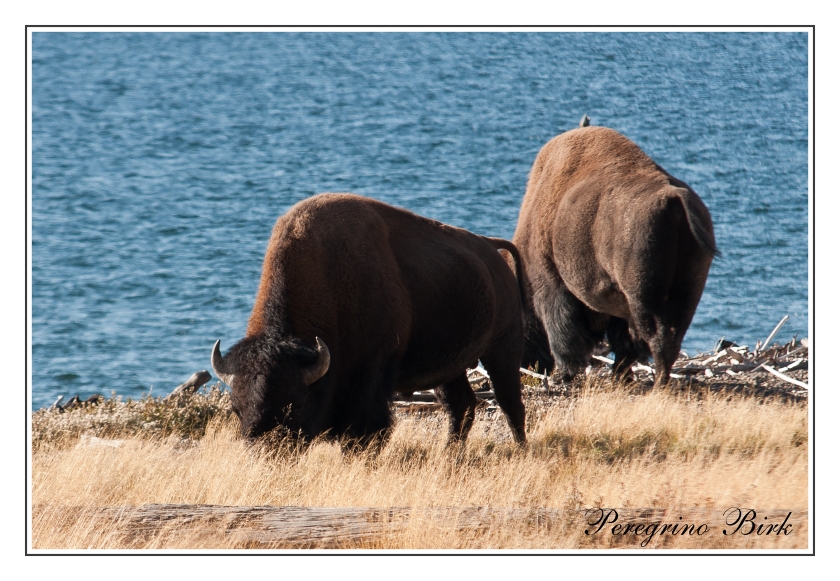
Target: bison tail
699,221
502,244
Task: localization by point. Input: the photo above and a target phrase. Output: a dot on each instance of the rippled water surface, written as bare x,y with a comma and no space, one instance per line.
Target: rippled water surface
160,162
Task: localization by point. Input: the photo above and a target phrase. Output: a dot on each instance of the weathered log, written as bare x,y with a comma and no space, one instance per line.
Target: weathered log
340,527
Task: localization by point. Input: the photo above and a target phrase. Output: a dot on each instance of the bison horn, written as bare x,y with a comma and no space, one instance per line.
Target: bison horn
317,370
216,362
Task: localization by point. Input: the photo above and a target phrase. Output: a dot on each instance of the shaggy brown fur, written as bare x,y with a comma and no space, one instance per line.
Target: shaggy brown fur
403,303
611,243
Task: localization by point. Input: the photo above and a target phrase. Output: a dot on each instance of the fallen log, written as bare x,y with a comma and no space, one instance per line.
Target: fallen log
299,527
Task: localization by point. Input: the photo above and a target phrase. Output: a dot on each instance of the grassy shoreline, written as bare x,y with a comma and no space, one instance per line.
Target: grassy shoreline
692,447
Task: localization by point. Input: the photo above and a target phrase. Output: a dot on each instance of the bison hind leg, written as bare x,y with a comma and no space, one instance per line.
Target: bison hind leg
663,338
666,349
573,331
459,401
537,351
627,351
504,374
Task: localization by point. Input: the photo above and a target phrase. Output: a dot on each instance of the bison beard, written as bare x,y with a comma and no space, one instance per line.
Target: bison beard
610,244
359,300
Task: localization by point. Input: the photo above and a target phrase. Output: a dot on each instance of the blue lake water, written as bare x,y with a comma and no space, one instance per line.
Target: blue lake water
160,162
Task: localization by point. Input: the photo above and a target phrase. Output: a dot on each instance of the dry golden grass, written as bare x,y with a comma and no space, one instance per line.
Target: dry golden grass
604,448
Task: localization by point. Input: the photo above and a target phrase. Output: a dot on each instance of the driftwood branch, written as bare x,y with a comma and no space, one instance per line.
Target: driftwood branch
802,347
479,370
429,397
715,358
773,333
785,377
532,373
75,402
191,385
541,377
636,367
797,364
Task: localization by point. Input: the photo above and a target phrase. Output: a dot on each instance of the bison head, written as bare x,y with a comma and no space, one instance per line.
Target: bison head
271,383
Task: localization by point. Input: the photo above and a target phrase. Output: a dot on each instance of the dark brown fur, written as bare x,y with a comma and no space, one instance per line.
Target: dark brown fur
611,244
403,303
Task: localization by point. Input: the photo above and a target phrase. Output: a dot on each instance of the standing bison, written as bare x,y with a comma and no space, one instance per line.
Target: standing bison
359,300
610,243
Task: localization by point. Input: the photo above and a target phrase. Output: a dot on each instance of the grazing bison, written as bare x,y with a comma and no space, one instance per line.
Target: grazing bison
610,243
359,300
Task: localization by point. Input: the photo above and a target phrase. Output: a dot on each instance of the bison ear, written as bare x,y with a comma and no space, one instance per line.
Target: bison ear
216,363
317,370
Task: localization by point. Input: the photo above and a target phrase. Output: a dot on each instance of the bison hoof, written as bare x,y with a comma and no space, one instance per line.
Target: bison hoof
561,379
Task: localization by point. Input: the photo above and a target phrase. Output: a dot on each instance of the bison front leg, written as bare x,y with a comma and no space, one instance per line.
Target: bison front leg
459,400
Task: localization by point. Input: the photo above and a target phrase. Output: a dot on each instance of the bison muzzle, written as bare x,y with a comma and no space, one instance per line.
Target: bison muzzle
359,300
611,244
